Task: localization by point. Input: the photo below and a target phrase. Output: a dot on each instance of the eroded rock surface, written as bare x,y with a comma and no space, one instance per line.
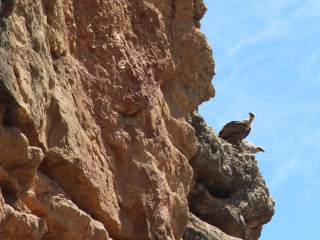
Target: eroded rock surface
199,230
18,165
15,224
94,142
96,92
64,219
228,189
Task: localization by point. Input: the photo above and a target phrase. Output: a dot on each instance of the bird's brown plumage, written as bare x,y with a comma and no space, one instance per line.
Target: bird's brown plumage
233,132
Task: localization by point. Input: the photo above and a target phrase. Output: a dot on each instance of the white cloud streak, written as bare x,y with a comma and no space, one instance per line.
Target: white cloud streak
283,172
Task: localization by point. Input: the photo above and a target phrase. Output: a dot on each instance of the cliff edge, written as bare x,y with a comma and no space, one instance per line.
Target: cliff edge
228,190
97,138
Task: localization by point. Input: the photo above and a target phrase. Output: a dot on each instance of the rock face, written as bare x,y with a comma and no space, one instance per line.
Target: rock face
96,91
94,142
228,190
199,230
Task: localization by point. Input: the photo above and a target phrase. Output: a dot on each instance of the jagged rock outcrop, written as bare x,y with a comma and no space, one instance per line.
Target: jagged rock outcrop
16,224
19,164
228,189
199,230
94,140
94,95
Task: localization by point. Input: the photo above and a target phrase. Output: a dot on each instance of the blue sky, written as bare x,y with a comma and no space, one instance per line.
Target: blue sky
267,56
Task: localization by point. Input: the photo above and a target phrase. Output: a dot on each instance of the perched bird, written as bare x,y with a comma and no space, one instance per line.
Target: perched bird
233,132
249,147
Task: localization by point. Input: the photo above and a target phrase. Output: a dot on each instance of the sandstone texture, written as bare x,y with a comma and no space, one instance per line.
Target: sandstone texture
94,139
94,95
228,190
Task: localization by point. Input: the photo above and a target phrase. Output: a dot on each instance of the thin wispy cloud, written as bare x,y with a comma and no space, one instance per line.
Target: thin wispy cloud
283,172
267,57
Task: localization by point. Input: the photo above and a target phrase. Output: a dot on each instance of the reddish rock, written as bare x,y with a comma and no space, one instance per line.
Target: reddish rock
94,139
19,225
102,88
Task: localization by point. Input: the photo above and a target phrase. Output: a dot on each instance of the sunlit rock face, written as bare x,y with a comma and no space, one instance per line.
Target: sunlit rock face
94,142
97,135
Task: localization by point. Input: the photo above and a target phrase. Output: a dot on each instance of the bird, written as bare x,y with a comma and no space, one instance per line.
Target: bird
249,147
233,132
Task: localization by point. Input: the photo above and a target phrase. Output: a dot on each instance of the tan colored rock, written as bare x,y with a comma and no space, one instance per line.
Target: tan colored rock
228,190
102,88
199,230
94,141
18,161
31,195
193,65
63,218
18,225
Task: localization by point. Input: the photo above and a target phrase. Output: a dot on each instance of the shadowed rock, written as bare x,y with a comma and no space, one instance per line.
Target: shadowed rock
200,230
228,190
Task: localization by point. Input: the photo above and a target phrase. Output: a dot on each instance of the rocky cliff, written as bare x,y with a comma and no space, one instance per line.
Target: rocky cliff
97,138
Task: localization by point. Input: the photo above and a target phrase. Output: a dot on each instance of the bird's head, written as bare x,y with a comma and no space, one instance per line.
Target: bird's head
259,149
252,115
